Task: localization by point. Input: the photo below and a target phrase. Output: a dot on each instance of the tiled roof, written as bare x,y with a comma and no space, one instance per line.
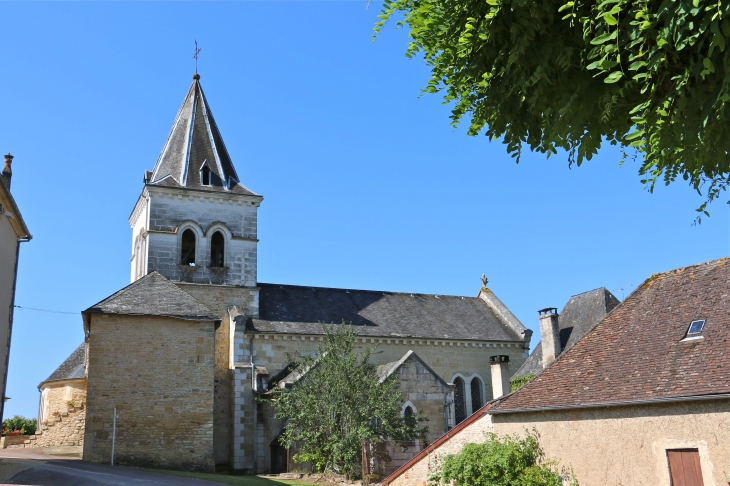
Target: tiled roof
194,141
72,369
580,315
300,310
154,295
638,352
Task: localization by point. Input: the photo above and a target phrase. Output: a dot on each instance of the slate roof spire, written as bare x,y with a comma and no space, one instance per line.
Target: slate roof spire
194,147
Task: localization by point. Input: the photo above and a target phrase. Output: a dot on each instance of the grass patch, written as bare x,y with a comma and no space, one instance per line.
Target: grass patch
228,479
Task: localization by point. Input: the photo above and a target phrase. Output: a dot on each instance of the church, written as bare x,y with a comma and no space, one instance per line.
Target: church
174,366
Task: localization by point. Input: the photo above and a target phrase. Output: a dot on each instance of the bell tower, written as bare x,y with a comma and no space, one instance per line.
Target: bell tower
194,221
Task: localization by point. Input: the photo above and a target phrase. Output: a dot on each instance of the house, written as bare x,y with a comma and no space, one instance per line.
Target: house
642,398
13,232
182,353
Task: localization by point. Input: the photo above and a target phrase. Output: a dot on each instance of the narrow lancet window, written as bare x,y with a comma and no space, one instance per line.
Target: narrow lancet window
459,405
187,249
217,249
476,394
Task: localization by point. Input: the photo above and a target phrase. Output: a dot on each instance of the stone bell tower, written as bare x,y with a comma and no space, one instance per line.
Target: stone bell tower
195,221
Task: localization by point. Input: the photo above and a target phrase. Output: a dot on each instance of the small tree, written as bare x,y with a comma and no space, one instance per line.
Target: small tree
20,424
509,461
339,404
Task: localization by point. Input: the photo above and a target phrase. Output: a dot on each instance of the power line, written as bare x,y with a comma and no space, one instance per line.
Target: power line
46,310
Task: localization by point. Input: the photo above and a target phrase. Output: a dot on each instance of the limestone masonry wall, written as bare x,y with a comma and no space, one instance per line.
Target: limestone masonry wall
159,374
219,298
446,358
63,414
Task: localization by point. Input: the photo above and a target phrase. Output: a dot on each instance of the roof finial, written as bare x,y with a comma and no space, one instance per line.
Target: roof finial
195,56
485,281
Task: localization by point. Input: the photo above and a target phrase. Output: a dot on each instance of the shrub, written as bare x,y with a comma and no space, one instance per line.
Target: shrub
516,383
509,461
20,423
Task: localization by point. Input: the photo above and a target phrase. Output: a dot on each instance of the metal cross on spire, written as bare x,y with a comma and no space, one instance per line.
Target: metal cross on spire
195,56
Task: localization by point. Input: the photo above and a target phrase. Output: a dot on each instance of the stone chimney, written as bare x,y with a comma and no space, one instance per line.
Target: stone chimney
8,171
550,335
500,375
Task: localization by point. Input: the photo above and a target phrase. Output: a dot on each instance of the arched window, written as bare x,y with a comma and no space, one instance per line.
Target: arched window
205,175
476,394
459,405
410,420
217,249
187,249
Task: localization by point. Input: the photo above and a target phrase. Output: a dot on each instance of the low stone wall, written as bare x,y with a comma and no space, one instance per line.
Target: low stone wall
17,441
66,429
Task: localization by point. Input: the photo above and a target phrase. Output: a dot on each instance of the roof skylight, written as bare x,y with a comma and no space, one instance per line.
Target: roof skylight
695,330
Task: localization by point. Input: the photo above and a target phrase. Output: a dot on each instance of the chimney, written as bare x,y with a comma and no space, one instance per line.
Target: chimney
7,171
500,375
550,335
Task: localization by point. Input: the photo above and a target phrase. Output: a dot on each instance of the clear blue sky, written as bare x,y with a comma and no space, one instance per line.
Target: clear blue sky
365,184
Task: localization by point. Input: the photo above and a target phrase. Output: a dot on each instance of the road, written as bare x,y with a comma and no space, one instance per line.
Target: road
32,467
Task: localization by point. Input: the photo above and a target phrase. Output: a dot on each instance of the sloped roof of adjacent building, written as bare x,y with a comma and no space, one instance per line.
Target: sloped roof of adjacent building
195,141
639,352
301,310
580,314
154,295
72,369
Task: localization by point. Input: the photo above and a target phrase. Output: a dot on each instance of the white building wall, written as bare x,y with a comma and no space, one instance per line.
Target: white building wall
8,253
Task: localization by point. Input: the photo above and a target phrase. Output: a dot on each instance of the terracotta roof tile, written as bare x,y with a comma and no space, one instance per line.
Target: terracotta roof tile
638,353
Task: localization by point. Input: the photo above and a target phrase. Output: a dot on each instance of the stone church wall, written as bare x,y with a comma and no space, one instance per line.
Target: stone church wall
170,214
62,415
159,373
219,298
446,358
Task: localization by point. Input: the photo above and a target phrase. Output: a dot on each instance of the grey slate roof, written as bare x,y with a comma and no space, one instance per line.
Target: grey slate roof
154,295
300,310
387,369
72,369
580,315
193,141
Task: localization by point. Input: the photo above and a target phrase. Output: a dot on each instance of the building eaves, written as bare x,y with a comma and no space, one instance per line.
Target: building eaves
11,210
153,295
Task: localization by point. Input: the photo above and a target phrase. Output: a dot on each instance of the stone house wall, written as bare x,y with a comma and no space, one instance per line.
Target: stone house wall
628,445
159,374
417,475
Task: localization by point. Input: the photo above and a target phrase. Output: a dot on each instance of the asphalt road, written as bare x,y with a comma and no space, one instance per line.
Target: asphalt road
32,467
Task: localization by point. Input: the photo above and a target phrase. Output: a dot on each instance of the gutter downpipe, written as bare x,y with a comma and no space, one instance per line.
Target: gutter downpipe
10,325
255,407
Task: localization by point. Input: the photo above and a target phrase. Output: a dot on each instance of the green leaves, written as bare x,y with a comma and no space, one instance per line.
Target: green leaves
506,461
337,402
566,77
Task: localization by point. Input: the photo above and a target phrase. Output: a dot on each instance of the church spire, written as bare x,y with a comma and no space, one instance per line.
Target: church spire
194,155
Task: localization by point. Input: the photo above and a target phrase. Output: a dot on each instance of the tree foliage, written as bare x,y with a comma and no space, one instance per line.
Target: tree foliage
649,75
338,403
509,461
21,424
